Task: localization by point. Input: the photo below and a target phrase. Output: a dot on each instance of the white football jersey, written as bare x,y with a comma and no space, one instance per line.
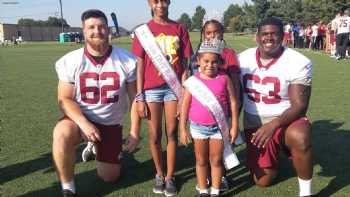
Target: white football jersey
314,30
343,24
100,89
266,87
334,23
287,28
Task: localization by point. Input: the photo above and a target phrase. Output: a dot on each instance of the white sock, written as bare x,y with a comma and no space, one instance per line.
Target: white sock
214,191
203,191
68,186
304,187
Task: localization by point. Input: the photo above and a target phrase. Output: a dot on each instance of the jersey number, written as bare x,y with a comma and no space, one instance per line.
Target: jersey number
99,94
343,23
253,95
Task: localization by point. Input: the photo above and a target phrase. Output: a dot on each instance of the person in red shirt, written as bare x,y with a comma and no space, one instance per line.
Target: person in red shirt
321,35
308,33
153,93
213,29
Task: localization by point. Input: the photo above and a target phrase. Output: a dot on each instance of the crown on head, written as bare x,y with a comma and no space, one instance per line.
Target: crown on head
213,15
212,46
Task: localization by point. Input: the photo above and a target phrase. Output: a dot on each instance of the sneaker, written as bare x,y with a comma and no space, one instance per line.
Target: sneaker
68,193
159,185
203,195
214,195
89,152
197,187
170,187
224,184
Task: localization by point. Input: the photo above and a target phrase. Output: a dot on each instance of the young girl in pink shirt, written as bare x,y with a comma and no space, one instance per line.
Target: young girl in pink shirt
204,130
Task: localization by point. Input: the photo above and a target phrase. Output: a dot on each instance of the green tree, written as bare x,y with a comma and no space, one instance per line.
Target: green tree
51,21
249,18
275,9
197,18
260,8
54,21
323,9
311,11
236,24
26,22
185,19
232,11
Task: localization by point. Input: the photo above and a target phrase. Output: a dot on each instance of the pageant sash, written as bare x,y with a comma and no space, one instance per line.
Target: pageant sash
152,49
202,93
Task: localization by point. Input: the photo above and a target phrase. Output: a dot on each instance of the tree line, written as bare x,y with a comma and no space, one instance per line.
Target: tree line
51,21
238,18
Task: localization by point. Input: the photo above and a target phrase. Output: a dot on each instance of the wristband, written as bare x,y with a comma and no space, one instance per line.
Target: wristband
140,97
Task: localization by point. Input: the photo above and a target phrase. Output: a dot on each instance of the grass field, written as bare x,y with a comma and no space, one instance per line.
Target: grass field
29,111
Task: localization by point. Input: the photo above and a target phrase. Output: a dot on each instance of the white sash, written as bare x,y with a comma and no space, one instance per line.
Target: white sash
203,94
152,49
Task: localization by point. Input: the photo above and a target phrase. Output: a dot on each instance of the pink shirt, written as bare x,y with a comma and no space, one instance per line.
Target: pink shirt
199,113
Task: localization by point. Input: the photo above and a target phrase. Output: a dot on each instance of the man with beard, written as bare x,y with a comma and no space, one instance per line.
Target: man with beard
92,88
277,88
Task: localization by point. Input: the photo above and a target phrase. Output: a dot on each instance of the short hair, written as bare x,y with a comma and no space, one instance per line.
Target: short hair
272,21
347,11
93,13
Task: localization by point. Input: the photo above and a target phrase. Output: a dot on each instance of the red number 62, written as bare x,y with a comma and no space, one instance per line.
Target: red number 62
99,94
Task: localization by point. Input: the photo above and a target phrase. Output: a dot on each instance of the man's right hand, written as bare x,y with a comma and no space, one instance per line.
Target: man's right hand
90,132
263,135
142,109
132,142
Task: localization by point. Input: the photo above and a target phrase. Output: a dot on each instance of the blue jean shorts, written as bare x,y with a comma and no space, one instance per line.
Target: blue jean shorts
160,94
201,132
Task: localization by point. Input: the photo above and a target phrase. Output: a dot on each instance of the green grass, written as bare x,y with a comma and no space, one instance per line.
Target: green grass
29,111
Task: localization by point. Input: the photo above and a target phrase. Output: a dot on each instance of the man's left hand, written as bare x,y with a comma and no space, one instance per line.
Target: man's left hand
263,135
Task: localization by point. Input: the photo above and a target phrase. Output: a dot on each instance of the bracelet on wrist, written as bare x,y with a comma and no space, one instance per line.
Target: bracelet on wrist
140,97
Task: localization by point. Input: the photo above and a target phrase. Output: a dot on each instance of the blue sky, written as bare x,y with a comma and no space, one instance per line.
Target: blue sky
129,12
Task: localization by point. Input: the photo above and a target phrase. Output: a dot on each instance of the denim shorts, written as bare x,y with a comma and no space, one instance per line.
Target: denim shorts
160,94
199,131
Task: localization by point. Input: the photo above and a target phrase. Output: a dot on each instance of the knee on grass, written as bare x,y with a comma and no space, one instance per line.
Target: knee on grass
109,177
264,179
108,172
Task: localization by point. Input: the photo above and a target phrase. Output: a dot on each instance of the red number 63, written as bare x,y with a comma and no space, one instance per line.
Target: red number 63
272,98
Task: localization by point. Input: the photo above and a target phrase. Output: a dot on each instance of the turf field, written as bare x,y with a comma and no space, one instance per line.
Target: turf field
29,111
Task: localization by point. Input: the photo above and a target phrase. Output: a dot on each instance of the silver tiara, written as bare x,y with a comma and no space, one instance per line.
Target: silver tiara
213,15
212,46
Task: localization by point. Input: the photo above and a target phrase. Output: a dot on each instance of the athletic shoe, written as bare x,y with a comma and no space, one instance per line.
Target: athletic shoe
170,187
89,152
214,195
68,193
197,187
224,184
202,195
159,185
